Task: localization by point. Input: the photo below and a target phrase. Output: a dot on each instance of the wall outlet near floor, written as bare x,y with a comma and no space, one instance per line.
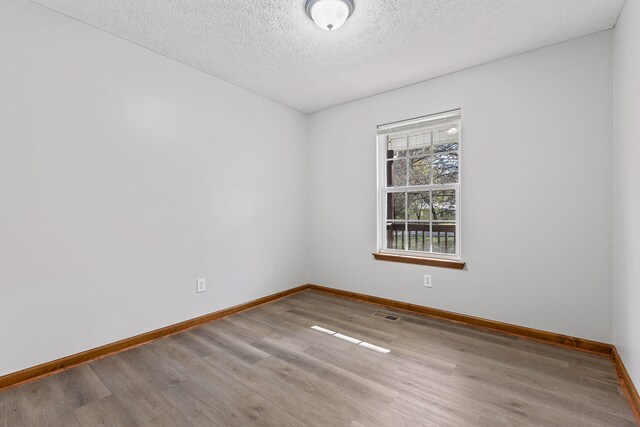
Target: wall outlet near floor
427,280
202,285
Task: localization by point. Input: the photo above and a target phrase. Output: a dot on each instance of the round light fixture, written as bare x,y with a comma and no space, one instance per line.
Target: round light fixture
329,14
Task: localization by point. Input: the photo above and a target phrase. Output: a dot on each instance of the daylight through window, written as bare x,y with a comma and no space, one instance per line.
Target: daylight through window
419,188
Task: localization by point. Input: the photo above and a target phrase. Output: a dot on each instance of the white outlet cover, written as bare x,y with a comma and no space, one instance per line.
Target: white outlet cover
202,285
427,280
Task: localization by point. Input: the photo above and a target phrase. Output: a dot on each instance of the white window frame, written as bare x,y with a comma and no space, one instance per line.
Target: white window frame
455,116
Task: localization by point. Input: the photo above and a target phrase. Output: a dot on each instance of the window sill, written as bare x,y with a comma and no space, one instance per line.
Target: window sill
434,262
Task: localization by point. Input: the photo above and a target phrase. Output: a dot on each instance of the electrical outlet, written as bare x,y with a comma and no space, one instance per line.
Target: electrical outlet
427,280
202,285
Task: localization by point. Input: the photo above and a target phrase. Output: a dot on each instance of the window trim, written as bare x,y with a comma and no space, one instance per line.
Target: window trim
410,256
420,260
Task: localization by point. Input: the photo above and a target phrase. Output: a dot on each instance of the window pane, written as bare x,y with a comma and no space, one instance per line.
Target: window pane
444,238
397,173
419,143
396,206
419,206
420,171
396,147
445,168
444,205
441,148
419,236
395,235
448,133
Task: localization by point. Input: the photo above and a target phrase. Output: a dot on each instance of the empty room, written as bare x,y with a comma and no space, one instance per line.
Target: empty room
319,213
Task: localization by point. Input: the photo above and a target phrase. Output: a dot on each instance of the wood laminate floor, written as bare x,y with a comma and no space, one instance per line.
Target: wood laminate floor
267,366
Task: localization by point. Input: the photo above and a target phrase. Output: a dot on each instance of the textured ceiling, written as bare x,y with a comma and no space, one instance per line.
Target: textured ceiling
272,48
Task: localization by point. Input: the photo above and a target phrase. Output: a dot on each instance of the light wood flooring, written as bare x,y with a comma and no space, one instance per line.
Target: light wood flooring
267,366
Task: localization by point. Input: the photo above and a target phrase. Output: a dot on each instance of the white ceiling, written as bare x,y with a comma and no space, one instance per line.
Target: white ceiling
272,48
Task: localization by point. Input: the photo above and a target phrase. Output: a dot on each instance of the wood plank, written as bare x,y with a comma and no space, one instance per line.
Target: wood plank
595,347
48,368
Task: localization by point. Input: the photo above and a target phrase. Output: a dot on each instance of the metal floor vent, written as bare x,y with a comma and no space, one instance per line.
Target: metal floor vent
385,316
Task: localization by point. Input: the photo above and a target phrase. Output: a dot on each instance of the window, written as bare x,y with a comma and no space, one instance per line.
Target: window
419,186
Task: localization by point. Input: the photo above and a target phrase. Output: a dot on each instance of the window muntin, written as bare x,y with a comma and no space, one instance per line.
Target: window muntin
419,186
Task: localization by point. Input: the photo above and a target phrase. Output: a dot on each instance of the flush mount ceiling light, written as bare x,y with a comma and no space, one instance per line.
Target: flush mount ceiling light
329,14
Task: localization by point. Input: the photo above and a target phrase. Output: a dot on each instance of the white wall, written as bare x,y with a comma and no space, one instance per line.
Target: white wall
536,195
626,178
124,177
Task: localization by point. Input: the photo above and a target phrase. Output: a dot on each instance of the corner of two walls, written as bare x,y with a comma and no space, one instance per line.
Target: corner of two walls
536,191
124,177
626,177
